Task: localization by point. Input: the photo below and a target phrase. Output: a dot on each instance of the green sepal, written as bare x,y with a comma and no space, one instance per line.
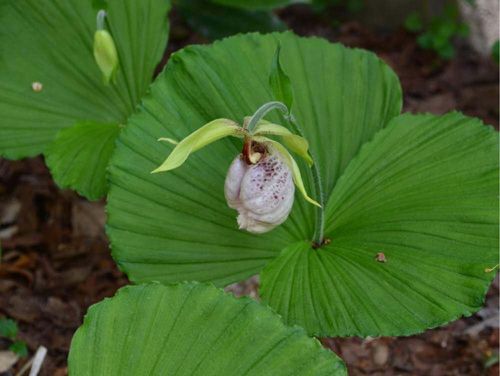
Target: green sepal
210,132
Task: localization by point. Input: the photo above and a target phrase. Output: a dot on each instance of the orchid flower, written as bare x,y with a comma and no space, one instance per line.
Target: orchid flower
260,181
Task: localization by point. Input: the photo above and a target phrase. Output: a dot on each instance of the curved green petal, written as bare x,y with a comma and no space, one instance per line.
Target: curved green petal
192,330
424,194
177,226
211,132
295,143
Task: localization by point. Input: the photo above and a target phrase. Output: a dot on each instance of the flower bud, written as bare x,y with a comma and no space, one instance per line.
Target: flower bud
262,193
105,53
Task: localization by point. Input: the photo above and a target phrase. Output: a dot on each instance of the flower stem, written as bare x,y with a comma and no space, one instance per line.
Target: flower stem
100,19
262,111
319,225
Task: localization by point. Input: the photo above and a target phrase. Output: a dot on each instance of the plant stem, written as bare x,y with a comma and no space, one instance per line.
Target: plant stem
262,111
319,225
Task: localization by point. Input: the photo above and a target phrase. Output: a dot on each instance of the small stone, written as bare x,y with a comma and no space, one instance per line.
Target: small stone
37,86
380,257
380,354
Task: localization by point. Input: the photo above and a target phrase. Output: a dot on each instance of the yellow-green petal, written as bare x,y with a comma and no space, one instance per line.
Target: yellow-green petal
295,143
210,132
297,178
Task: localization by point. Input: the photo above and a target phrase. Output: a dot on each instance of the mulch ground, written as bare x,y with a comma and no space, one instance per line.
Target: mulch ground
56,260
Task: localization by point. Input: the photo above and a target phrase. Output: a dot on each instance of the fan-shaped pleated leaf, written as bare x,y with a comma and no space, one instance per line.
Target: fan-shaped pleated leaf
413,224
79,157
176,226
192,329
49,79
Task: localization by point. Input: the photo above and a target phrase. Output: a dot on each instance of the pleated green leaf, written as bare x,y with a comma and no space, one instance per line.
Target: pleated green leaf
177,226
413,224
79,157
49,79
192,329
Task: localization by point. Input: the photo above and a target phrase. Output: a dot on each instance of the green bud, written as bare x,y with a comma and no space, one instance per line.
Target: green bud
105,53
